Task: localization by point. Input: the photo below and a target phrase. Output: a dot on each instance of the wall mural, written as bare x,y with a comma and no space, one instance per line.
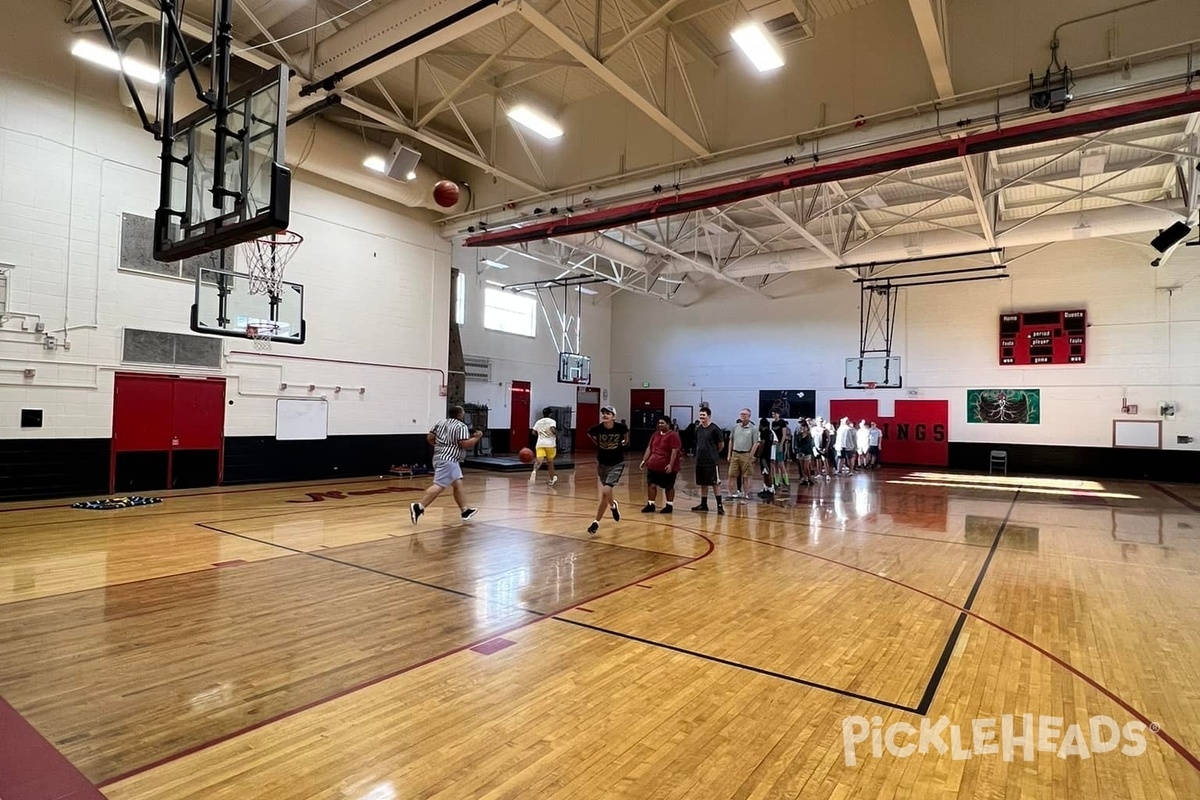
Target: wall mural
1009,406
790,403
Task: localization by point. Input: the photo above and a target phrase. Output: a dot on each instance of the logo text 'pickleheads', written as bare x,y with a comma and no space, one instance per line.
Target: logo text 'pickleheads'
1009,736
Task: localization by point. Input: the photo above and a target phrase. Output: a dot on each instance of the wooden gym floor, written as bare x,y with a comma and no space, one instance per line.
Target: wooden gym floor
306,641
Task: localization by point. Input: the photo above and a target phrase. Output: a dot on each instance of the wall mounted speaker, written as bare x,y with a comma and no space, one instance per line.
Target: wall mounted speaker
402,161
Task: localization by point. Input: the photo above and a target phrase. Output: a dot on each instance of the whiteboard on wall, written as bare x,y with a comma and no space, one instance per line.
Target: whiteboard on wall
1144,433
301,419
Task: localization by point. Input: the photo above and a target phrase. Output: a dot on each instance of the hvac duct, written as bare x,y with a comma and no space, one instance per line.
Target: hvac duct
1115,221
332,152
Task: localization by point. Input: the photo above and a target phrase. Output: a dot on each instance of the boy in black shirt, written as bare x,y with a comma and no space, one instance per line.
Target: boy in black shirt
611,439
710,443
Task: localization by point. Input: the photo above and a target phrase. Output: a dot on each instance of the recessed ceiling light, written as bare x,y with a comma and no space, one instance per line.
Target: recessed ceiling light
535,121
375,163
758,47
108,58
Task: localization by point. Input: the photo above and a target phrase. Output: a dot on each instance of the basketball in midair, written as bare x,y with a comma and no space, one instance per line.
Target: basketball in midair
445,194
526,455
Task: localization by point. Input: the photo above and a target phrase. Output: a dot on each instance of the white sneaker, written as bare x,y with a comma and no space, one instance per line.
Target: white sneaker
533,477
554,480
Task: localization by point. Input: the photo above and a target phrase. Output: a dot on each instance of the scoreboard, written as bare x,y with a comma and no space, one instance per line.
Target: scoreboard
1043,337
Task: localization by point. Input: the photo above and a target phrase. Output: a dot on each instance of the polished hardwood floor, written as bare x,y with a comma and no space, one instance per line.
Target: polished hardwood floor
307,641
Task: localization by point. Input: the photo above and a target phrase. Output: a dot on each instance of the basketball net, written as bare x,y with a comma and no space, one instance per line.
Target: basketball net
261,333
871,384
266,257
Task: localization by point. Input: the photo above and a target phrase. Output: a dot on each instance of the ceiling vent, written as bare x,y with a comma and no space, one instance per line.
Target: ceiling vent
787,21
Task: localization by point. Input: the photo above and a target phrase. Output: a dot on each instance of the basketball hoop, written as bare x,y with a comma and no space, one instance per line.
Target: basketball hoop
871,384
261,333
267,256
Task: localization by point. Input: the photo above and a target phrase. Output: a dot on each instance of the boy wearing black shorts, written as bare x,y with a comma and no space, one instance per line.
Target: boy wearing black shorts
611,438
710,443
661,462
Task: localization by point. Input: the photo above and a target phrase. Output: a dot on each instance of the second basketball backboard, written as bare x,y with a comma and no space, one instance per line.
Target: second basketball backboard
225,306
873,372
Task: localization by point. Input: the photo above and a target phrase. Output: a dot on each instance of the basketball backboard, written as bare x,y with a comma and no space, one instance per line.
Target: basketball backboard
225,306
251,197
883,372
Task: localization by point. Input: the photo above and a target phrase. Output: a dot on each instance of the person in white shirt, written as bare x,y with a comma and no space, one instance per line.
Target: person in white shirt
861,436
846,442
547,445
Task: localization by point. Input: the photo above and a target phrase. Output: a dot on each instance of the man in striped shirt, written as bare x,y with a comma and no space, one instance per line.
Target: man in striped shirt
449,438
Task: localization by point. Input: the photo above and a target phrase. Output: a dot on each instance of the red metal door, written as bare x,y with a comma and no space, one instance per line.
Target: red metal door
142,412
199,414
587,414
520,424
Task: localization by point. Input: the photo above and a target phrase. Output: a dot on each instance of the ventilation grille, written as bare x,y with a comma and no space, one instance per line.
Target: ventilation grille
477,368
171,349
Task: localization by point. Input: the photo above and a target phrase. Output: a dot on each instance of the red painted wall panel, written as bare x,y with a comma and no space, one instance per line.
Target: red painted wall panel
143,414
199,414
917,434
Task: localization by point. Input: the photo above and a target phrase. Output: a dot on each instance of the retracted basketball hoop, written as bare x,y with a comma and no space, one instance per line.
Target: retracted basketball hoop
267,257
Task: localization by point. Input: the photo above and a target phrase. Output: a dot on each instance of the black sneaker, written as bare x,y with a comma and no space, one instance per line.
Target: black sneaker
469,512
414,512
593,528
720,510
648,508
667,509
616,512
701,507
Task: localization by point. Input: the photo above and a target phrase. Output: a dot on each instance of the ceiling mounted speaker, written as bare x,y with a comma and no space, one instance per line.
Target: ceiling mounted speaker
1166,239
402,162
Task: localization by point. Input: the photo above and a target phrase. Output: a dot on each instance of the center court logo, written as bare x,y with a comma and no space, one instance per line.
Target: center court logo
1009,737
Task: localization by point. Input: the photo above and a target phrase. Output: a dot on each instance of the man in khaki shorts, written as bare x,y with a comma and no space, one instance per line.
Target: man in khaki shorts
743,446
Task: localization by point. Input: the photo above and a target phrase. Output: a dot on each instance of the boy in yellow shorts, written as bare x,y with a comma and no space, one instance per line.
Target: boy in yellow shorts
547,445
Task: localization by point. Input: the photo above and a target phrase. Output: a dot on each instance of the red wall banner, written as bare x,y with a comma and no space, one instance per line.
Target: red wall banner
919,433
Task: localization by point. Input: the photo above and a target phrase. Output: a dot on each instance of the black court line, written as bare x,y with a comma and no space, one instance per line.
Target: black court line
1188,504
736,665
944,661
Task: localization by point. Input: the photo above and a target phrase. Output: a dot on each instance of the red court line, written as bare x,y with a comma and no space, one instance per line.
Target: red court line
432,659
1152,726
32,769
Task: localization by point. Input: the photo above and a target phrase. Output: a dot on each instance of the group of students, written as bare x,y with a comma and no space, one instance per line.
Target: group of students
817,446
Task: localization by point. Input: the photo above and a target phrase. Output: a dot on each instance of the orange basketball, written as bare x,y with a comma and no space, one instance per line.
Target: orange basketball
445,193
526,455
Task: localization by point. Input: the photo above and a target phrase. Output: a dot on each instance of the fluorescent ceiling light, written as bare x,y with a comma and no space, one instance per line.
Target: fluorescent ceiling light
538,123
493,264
758,47
106,57
375,163
494,283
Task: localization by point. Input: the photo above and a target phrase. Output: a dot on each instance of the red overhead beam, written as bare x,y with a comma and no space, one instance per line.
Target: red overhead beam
1033,133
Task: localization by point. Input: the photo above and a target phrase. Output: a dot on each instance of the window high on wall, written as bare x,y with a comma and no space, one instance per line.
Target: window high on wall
509,312
460,301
